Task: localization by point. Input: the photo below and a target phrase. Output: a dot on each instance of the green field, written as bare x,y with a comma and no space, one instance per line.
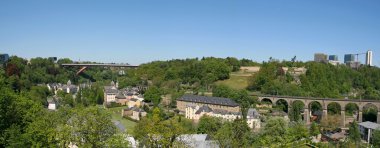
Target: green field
116,115
237,80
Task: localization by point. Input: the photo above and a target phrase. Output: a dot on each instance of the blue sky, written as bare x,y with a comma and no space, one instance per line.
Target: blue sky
138,31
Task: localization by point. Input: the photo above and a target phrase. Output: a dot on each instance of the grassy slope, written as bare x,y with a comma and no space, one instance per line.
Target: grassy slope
116,115
238,80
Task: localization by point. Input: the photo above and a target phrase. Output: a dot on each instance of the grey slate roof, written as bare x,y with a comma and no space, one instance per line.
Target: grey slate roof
225,112
204,108
209,100
108,89
120,96
252,113
370,125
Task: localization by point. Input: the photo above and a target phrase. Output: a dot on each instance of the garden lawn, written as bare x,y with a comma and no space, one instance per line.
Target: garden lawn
116,115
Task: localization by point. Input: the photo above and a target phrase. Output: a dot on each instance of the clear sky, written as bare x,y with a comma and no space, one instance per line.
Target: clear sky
138,31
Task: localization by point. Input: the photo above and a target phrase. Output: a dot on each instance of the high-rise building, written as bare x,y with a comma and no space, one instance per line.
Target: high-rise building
349,58
4,58
368,60
333,58
320,57
53,59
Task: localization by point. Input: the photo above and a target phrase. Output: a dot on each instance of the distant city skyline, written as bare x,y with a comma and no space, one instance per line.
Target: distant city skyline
137,32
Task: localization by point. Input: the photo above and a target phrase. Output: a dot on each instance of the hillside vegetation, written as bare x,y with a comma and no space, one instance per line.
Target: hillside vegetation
320,80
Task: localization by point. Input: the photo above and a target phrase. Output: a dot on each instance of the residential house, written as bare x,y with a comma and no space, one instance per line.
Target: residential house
134,113
110,93
52,104
137,113
135,103
67,88
122,96
253,119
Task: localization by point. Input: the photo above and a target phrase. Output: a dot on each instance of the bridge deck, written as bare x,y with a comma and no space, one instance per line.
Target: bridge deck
313,98
102,65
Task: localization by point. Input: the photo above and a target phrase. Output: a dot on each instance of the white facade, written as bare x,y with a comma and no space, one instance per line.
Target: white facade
369,58
110,97
254,123
335,63
52,106
194,113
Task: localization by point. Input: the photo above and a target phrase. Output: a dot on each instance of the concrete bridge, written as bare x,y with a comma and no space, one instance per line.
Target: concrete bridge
99,65
325,102
84,66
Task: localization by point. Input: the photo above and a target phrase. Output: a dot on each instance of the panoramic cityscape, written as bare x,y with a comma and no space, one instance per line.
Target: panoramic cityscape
199,74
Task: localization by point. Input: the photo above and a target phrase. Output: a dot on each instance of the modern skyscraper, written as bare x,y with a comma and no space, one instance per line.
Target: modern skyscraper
320,57
368,60
333,58
4,58
349,58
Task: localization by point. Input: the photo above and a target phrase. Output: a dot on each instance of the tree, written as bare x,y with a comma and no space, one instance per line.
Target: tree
274,132
314,130
331,122
234,134
117,140
209,125
245,102
92,126
39,94
153,94
234,62
42,131
354,133
16,112
295,111
376,138
156,132
223,91
298,131
333,108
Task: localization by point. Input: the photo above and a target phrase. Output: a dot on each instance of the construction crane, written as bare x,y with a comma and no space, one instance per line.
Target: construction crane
357,56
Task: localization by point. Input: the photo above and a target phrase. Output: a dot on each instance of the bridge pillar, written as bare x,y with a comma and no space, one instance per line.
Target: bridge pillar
360,116
343,115
324,115
378,117
306,116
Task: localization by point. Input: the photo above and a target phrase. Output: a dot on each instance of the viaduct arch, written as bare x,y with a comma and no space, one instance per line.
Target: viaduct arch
324,103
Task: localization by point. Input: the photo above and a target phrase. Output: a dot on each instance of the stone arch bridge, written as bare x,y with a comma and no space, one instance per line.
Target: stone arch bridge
324,102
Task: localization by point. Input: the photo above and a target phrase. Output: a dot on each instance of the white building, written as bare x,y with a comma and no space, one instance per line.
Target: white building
253,119
52,105
110,93
195,112
122,96
67,88
368,60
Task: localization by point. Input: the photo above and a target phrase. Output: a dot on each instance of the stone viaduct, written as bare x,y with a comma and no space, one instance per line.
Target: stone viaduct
324,102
